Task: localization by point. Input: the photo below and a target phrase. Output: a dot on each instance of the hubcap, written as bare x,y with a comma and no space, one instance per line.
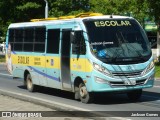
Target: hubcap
29,83
83,91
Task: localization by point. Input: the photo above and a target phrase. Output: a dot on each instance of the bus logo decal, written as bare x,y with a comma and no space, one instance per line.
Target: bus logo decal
52,62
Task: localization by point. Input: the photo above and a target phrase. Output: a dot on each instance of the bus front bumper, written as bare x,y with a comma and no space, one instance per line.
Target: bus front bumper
102,85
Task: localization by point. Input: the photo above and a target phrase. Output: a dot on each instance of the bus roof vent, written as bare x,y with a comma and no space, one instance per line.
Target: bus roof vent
66,17
111,16
88,14
45,19
81,15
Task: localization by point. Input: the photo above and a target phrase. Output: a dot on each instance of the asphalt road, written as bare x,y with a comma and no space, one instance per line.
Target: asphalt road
150,100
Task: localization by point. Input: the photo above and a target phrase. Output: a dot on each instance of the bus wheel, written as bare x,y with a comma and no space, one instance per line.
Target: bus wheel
134,95
84,95
30,86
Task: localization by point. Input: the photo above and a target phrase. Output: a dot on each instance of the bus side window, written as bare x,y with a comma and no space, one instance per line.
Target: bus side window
11,37
40,38
53,41
28,38
78,43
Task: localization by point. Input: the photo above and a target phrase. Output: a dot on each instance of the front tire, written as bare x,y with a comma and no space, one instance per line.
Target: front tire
84,95
30,86
134,95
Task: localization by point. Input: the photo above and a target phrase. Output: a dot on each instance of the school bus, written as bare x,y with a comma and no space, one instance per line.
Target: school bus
86,54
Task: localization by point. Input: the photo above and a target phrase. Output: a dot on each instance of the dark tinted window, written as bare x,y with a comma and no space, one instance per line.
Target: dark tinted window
29,34
28,39
53,41
17,46
78,46
28,47
66,43
11,35
40,34
39,47
118,40
19,35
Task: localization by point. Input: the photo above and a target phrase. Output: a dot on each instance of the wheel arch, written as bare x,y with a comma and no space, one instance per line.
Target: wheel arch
81,91
25,74
77,81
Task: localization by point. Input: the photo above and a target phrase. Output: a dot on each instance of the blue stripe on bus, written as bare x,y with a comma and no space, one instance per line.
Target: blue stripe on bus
14,52
41,73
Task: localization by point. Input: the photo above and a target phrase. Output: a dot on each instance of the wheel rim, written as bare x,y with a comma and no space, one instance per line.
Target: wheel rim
29,83
83,91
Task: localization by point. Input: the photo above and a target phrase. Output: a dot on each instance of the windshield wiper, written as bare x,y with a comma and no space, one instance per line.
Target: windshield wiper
117,53
137,52
140,55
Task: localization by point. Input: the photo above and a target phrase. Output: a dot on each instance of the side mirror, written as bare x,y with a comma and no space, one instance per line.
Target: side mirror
73,37
78,42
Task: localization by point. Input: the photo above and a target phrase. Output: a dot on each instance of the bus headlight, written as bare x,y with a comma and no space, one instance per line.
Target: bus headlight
98,67
101,69
149,67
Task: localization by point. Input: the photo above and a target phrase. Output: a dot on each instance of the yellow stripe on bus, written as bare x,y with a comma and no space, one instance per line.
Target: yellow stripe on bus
80,64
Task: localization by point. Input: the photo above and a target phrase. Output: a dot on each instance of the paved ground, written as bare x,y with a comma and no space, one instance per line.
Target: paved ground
12,104
2,54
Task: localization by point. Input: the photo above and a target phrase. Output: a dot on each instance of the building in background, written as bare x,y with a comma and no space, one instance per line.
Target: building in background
2,47
151,31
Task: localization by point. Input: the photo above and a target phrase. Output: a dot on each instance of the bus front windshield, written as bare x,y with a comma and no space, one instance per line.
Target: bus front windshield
116,41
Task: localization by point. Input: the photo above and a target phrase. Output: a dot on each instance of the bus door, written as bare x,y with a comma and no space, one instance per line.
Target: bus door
65,59
52,57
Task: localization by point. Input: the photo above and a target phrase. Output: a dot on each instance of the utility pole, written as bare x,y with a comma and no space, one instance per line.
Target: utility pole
46,9
158,43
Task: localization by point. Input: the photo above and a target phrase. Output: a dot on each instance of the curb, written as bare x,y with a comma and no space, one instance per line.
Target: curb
157,79
55,106
46,103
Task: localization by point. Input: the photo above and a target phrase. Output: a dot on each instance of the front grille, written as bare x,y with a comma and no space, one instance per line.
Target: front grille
127,74
140,82
129,83
117,83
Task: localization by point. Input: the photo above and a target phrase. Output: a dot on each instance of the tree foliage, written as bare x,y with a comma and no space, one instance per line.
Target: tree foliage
19,11
24,10
134,8
154,6
67,7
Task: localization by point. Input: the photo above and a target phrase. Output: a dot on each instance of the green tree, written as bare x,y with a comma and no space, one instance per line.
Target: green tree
67,7
154,10
140,10
137,8
7,13
30,9
109,6
24,10
19,11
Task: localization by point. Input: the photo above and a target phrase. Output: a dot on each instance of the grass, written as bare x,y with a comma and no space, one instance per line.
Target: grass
157,68
2,59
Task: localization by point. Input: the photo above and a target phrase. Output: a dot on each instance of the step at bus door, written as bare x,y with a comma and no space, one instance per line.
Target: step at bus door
65,59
